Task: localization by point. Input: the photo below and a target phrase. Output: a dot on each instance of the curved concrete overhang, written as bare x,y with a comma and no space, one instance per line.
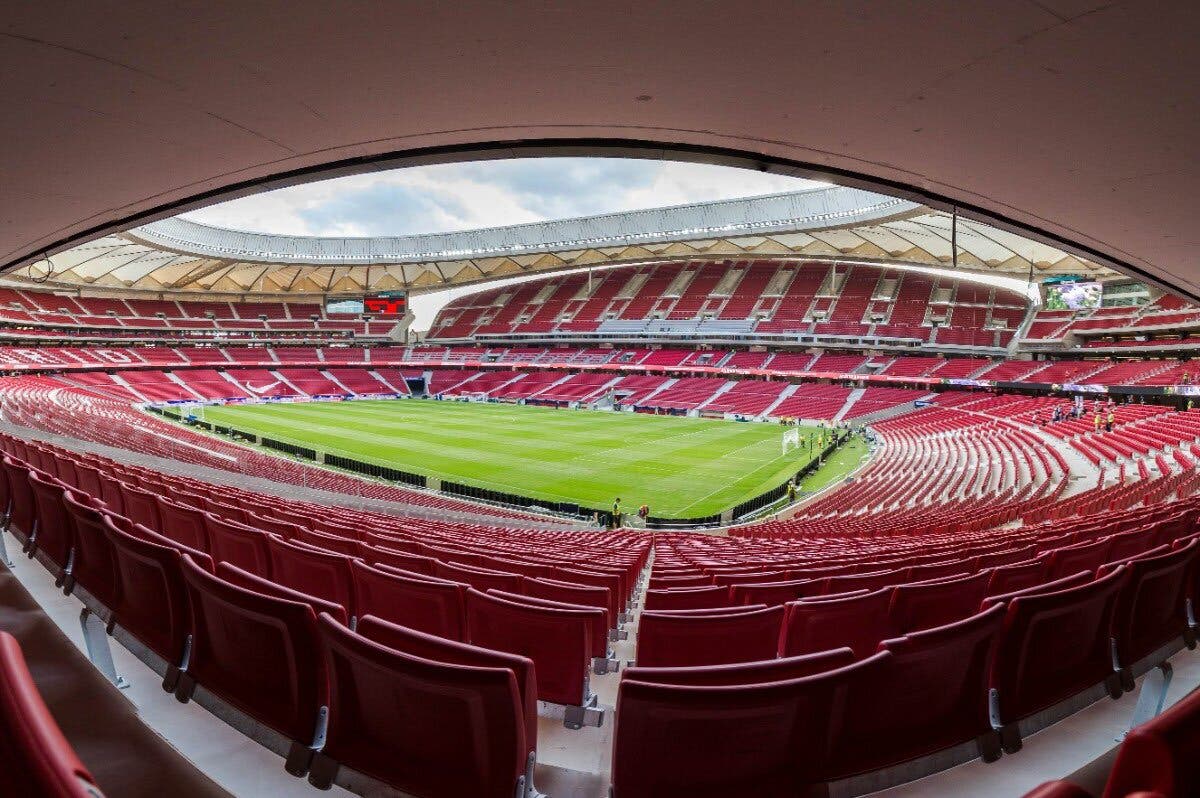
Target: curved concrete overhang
1073,122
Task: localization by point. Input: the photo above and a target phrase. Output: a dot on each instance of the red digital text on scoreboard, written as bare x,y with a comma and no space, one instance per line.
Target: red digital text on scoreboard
385,305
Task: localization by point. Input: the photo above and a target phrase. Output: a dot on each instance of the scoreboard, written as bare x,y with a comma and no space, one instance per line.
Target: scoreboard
386,303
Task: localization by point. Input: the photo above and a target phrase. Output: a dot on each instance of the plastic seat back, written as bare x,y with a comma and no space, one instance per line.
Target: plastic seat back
317,573
439,649
556,640
88,480
933,695
1152,608
1082,557
257,652
482,579
24,510
236,576
772,593
35,757
382,555
762,672
597,618
858,622
53,537
141,507
672,640
554,590
95,565
926,605
239,545
182,524
1054,645
1160,755
1018,576
152,600
674,741
687,598
461,734
429,605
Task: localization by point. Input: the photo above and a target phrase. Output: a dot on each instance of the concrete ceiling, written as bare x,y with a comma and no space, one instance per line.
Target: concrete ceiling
1073,120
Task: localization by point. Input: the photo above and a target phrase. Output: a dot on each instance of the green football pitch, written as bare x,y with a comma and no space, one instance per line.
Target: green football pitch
680,467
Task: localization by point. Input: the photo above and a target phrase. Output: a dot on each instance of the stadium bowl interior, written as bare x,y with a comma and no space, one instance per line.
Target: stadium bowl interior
909,461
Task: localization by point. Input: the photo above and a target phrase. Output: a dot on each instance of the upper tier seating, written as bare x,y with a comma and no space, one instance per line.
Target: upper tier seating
133,317
740,297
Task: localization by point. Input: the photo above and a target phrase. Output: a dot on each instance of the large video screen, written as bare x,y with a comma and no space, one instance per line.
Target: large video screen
354,306
1074,296
386,303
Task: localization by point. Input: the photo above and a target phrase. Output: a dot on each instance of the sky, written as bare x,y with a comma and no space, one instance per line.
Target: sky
466,196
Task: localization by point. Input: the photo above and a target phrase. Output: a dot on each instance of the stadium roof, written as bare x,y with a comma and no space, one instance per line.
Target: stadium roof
181,255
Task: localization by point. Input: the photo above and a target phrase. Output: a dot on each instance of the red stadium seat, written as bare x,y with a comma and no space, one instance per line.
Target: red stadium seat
182,524
381,555
858,621
53,537
568,593
439,649
427,604
673,641
1152,608
94,565
739,610
313,572
482,579
460,733
141,507
244,579
1054,645
772,593
668,582
1075,580
1073,559
928,604
687,598
931,696
23,511
1160,756
683,741
259,654
597,618
238,544
152,601
558,642
1017,576
613,582
35,758
761,672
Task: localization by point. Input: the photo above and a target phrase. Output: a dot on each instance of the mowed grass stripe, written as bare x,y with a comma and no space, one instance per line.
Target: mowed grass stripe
674,464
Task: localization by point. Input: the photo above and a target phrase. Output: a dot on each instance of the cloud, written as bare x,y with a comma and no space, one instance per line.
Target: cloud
463,196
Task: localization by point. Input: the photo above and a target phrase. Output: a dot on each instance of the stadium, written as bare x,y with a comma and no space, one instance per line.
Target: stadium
875,474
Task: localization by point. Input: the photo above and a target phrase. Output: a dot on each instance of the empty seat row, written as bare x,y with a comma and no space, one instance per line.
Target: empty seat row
983,680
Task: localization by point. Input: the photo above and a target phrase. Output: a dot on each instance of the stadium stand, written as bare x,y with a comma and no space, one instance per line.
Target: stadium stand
811,298
963,556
